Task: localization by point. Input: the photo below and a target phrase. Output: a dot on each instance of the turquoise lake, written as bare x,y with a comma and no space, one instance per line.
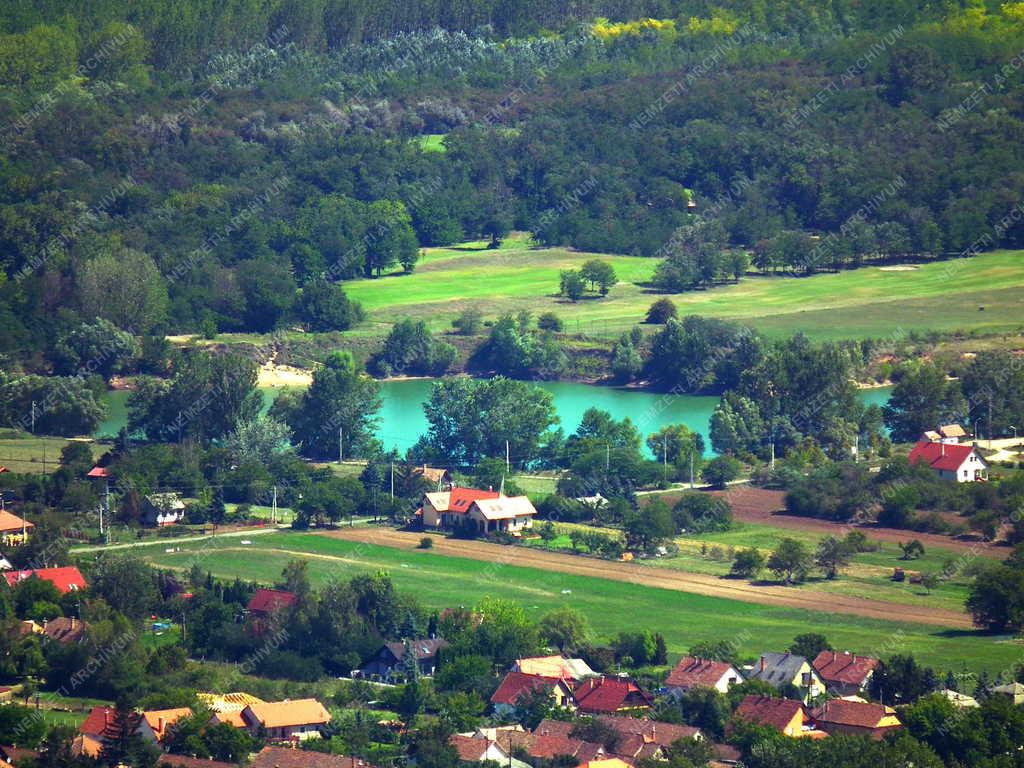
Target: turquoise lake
402,420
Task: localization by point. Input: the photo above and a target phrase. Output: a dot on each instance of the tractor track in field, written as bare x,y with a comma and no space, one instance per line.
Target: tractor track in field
633,573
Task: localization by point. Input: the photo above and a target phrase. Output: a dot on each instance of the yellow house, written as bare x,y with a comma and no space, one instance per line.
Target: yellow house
14,531
784,669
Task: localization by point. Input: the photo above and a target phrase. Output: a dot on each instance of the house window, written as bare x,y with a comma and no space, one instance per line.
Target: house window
806,679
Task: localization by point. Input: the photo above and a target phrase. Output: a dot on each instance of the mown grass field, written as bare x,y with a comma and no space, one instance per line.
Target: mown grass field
867,302
610,606
868,575
25,453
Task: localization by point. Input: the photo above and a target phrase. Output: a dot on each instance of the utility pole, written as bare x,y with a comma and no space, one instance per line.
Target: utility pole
771,464
507,460
607,456
989,419
106,504
33,417
664,456
691,468
392,481
273,507
341,443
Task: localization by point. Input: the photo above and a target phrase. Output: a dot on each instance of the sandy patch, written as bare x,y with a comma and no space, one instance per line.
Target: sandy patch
276,376
899,268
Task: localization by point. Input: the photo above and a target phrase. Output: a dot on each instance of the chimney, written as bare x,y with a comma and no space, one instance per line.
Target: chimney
764,663
942,449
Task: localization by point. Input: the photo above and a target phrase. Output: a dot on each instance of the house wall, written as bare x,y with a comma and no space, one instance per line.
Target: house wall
431,517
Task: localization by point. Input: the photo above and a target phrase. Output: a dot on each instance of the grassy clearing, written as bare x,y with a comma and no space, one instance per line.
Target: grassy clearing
433,142
868,575
857,303
25,453
610,606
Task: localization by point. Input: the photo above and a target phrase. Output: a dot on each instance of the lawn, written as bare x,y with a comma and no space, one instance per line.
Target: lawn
982,294
610,606
25,453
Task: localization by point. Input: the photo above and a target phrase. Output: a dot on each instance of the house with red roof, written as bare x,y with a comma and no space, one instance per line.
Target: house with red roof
787,716
610,695
692,672
856,717
844,674
640,738
516,685
551,739
951,461
65,579
266,602
65,630
488,511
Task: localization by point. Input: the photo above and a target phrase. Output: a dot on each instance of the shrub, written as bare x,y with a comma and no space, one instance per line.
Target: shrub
661,312
549,321
426,542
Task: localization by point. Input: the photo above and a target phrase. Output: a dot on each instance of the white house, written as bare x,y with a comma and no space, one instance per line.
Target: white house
951,461
693,672
489,511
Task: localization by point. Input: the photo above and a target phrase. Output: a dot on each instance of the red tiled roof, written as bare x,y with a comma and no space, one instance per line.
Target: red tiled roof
608,695
764,710
845,668
469,748
551,746
183,761
653,731
460,499
516,684
101,723
270,600
548,727
286,757
64,579
858,714
944,456
98,472
65,630
691,672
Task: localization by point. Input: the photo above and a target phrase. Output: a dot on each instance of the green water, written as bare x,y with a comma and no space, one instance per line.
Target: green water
402,420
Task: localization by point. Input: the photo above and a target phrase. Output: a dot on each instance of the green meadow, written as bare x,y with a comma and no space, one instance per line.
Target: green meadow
610,606
983,294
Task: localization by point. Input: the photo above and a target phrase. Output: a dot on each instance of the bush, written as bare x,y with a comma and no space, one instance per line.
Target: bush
549,321
469,323
660,312
426,542
720,471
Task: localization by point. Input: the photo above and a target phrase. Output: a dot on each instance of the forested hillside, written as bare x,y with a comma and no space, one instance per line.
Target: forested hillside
177,167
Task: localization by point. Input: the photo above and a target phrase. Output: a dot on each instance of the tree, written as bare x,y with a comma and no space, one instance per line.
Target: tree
565,628
660,312
809,645
996,598
747,563
648,526
63,405
207,398
473,418
901,680
921,400
571,284
325,307
679,446
702,513
258,440
600,275
126,583
626,359
100,347
269,291
411,349
340,404
390,238
790,560
721,470
831,555
912,550
125,288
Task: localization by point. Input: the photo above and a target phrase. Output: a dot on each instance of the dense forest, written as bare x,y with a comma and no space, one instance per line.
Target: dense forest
173,167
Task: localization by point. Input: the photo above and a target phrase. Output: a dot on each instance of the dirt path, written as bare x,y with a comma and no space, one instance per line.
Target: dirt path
699,584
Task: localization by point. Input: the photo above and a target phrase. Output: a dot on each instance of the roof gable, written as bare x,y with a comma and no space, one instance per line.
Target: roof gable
858,714
516,684
504,507
844,668
270,600
284,714
948,457
775,713
608,694
692,672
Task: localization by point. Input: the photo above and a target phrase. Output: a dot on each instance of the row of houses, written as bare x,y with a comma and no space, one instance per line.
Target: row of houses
289,721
